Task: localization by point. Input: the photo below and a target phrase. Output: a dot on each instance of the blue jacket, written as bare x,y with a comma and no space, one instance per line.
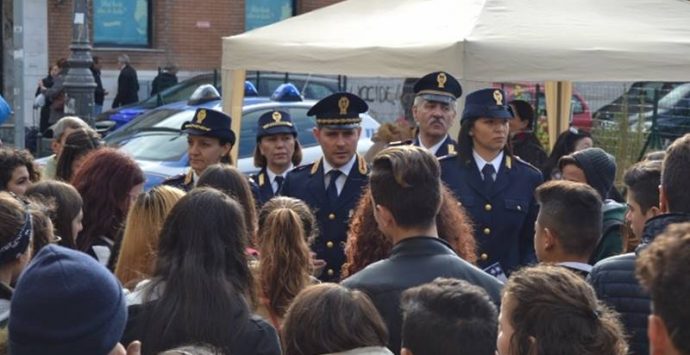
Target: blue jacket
265,188
615,283
307,184
503,219
448,146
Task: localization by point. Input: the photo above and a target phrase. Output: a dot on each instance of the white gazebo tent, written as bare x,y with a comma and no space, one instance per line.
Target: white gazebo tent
482,40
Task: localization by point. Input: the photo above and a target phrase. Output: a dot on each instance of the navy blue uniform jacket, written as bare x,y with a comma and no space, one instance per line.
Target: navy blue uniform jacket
448,146
504,218
307,184
265,188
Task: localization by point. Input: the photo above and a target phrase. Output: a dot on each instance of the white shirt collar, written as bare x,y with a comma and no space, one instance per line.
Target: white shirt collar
195,178
345,169
496,162
434,148
577,265
272,175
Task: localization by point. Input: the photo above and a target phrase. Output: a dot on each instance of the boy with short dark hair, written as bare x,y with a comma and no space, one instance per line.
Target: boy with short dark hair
448,317
568,225
642,182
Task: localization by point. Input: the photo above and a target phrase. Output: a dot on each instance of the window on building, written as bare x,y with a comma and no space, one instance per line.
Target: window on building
122,23
260,13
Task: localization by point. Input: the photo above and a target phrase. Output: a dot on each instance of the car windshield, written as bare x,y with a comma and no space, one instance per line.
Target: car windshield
673,97
156,146
181,91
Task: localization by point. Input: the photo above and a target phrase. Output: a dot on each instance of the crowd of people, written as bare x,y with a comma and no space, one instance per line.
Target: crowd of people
431,246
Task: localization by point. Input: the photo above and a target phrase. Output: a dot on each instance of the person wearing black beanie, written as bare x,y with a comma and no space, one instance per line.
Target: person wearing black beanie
597,168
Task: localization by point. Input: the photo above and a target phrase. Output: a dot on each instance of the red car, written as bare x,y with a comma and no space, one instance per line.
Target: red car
581,114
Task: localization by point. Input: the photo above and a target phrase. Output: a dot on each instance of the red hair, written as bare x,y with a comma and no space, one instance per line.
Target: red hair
104,181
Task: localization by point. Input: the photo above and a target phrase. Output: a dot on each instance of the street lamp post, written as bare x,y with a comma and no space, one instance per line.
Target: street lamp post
79,84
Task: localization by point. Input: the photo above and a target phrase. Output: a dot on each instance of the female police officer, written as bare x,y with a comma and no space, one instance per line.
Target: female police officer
496,188
277,151
209,142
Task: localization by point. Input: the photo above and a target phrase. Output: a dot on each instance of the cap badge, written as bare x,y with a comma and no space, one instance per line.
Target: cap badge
343,104
441,80
498,97
277,116
201,116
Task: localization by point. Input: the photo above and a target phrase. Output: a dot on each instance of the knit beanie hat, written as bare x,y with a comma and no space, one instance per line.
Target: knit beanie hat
599,168
66,302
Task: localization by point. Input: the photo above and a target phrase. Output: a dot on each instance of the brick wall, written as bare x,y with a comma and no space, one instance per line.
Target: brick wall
184,32
187,33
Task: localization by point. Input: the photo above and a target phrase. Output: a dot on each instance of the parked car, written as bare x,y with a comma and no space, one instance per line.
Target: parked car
155,141
534,94
673,118
264,83
638,99
178,92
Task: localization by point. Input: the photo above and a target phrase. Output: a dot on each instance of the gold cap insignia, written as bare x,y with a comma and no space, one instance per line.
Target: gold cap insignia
343,104
441,80
201,116
498,97
277,116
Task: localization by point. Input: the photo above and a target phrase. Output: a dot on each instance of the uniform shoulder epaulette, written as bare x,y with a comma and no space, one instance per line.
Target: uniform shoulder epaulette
180,176
302,167
448,156
524,162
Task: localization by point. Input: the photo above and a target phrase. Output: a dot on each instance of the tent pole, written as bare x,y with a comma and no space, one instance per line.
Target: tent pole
233,98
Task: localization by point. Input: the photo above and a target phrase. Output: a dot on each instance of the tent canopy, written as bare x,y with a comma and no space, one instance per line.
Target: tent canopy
482,40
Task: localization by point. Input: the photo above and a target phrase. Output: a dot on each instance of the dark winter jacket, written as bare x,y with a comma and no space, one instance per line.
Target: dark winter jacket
163,81
127,87
614,281
526,146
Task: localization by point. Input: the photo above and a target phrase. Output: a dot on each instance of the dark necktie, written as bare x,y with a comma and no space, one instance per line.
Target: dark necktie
279,180
488,174
332,190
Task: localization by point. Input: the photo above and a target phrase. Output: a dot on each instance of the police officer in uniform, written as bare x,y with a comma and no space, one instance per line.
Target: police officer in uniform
332,185
277,151
496,188
434,111
209,140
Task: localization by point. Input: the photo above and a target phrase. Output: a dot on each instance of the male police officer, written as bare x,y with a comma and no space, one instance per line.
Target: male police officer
496,188
277,151
332,185
434,110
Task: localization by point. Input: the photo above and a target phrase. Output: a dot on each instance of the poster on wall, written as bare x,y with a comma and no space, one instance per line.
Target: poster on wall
121,23
260,13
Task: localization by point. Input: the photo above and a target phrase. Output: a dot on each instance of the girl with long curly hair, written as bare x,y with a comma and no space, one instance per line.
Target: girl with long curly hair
366,244
286,226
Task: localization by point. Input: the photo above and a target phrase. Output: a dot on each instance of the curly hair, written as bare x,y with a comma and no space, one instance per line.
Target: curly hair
13,158
366,244
285,267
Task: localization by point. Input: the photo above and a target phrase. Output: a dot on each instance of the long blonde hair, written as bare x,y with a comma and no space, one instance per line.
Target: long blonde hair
285,268
140,240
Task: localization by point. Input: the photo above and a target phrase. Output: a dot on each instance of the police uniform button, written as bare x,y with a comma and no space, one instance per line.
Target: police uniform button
329,244
330,272
484,257
331,216
488,207
487,231
519,208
